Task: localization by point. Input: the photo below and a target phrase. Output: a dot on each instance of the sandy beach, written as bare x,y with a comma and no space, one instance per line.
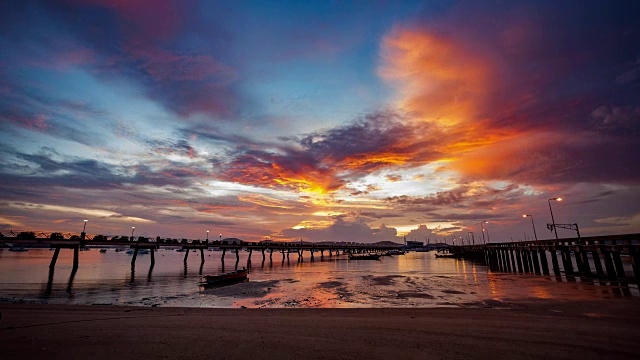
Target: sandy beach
546,329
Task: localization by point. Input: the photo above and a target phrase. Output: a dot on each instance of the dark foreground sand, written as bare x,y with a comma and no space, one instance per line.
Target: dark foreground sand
543,330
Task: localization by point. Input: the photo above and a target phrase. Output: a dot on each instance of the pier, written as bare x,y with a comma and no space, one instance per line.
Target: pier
589,258
75,242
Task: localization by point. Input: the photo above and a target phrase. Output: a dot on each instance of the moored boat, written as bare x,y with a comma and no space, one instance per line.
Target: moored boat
103,250
233,276
364,256
395,252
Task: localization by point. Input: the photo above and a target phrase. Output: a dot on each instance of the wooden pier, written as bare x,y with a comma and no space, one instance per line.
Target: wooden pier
75,242
596,257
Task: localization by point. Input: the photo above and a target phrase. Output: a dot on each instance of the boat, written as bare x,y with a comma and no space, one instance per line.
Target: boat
143,251
445,256
364,256
103,250
119,249
229,277
180,250
395,252
130,252
17,249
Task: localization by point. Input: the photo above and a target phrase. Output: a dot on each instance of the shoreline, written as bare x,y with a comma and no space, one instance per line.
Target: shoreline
550,329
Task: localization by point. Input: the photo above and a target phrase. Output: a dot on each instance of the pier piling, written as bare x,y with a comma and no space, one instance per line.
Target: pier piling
76,250
133,259
54,258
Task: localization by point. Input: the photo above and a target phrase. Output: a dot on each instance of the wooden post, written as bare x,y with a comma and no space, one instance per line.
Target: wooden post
611,271
534,258
530,260
76,250
270,254
554,261
311,251
525,261
519,261
237,254
579,263
543,261
202,256
263,257
250,252
54,258
224,251
635,263
566,262
153,257
586,267
513,261
618,264
597,264
133,259
186,255
505,253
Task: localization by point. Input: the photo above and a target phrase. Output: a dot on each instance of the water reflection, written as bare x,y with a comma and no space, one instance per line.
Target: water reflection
415,279
71,277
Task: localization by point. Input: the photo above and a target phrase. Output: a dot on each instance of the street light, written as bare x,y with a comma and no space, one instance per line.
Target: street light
207,235
552,219
482,226
473,239
532,225
132,229
220,237
85,226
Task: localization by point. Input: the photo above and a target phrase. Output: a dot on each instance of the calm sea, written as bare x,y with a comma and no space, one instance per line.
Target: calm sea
411,280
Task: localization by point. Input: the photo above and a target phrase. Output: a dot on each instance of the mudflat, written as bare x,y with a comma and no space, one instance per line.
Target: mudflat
544,329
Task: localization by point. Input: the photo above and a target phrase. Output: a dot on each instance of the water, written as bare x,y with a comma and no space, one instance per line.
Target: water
411,280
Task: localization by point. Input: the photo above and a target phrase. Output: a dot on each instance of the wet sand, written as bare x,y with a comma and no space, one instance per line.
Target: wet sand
537,329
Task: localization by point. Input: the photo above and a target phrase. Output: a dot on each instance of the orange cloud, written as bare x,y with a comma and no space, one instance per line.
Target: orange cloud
437,79
445,83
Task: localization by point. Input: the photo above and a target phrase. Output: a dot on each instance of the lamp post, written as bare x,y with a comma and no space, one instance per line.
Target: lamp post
220,237
553,221
207,235
132,229
532,225
482,226
85,225
473,239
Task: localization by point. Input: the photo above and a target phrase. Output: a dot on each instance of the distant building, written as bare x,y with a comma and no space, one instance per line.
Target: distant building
413,244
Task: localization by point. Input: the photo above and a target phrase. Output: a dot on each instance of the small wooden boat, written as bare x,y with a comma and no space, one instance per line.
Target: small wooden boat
229,277
364,256
445,256
103,250
395,252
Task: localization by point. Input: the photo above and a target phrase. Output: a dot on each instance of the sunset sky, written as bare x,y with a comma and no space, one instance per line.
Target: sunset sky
324,120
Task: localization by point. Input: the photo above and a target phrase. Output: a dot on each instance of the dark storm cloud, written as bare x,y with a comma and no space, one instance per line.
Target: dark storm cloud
44,170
